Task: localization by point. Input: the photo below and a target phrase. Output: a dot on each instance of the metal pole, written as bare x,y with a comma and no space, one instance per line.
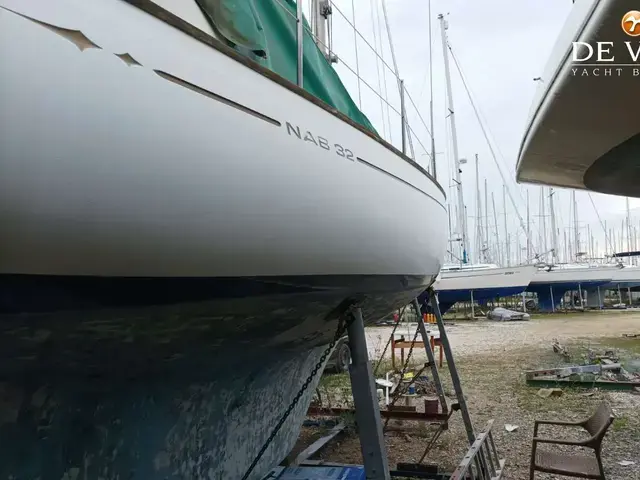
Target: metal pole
395,63
473,310
300,41
454,140
580,295
455,378
431,358
479,228
433,141
403,118
366,402
629,293
599,298
486,217
495,225
524,303
355,46
528,230
554,233
506,236
553,304
619,294
576,227
543,247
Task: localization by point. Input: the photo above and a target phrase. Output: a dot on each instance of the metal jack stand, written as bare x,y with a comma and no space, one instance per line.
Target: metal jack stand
365,398
484,463
430,357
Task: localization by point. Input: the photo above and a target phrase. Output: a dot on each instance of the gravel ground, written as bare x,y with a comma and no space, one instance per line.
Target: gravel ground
491,358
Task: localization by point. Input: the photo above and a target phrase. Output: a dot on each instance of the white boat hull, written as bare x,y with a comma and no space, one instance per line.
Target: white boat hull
107,167
481,284
182,236
581,132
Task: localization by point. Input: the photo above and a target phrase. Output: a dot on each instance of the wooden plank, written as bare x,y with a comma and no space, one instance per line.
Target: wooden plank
563,382
318,444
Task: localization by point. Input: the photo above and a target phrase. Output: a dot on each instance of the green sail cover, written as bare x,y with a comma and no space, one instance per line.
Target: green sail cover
265,31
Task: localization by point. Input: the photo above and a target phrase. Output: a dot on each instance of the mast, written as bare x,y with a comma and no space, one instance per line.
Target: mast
576,232
506,235
495,223
528,229
622,237
479,228
543,247
462,223
486,218
607,237
629,248
566,248
433,141
554,233
450,233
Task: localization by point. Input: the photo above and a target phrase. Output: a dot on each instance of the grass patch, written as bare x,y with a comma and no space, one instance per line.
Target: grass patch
620,423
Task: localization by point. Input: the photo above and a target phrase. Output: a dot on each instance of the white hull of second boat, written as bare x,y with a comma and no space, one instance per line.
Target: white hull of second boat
109,165
503,277
481,284
577,275
581,132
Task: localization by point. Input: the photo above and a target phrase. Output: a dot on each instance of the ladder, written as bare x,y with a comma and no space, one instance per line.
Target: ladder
481,461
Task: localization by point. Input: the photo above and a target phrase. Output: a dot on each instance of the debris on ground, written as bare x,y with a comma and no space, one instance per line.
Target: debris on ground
510,428
561,349
626,463
549,392
599,369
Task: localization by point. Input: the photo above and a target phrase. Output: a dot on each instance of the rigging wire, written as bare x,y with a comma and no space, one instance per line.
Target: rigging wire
384,72
396,71
355,46
375,41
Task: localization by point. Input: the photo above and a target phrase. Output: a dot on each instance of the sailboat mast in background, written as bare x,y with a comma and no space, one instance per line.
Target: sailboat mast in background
576,230
554,233
629,249
461,218
479,228
505,261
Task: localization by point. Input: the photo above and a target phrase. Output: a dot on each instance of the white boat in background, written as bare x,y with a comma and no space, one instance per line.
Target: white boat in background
183,231
480,282
628,276
583,131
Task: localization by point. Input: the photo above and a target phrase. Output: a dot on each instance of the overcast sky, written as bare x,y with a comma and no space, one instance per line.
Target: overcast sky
501,46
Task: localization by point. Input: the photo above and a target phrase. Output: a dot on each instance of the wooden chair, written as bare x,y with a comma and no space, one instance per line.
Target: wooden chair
573,465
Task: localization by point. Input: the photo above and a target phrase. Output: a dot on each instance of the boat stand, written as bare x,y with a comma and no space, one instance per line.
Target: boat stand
365,398
482,454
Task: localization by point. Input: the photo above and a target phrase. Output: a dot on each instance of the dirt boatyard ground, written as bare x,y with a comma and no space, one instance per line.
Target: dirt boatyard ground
491,358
